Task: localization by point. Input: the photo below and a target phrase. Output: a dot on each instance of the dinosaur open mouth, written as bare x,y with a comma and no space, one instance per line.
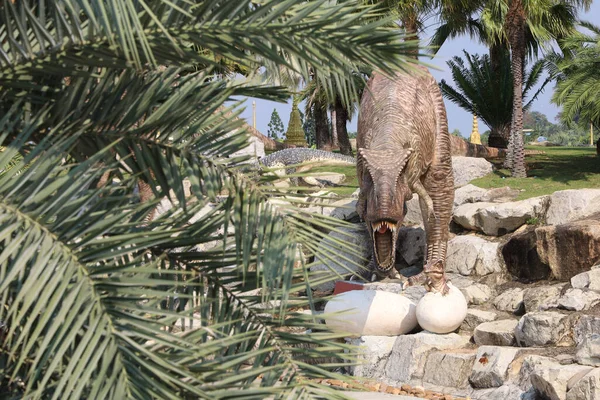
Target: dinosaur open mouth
384,240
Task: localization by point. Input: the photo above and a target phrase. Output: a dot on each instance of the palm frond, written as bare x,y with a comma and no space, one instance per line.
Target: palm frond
487,93
85,282
578,77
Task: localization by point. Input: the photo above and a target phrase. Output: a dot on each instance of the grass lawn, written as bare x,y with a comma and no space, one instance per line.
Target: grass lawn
560,168
348,186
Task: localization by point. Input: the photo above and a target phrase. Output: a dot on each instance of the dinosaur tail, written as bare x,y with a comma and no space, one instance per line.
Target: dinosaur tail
460,147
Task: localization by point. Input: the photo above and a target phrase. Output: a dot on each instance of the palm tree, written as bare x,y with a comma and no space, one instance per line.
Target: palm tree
487,22
518,14
94,295
488,93
578,77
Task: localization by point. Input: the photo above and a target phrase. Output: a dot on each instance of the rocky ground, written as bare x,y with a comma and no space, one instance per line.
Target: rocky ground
530,271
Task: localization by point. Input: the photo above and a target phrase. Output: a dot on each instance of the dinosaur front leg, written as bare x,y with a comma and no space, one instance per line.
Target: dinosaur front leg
425,201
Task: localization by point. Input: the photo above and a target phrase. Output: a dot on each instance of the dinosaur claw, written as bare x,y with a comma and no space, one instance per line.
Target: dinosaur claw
443,288
415,280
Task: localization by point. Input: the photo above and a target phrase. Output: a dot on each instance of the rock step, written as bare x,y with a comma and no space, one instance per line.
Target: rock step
379,390
449,364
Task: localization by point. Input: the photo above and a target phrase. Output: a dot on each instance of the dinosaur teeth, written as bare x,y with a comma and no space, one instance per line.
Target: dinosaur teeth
383,226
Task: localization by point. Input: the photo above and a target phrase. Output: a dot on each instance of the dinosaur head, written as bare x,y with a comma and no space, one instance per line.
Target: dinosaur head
385,190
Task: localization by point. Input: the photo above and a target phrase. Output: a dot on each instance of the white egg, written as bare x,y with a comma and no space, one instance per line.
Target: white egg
371,312
442,314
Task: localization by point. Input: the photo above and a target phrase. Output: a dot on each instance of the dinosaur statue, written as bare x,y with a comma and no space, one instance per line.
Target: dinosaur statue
404,148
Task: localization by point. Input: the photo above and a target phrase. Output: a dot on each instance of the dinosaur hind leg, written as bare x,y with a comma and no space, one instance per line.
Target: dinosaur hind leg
440,184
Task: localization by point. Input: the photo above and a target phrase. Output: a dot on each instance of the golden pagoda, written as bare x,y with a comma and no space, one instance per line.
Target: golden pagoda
475,138
295,133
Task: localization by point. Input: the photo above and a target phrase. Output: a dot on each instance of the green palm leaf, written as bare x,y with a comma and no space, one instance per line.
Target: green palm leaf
486,93
578,78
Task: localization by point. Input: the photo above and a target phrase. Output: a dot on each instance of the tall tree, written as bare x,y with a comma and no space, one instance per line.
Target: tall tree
485,20
323,137
518,14
276,129
341,120
91,290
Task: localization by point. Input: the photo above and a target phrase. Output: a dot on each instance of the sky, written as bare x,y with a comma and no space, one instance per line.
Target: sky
457,117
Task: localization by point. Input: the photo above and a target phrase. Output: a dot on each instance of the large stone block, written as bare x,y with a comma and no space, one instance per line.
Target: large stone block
468,194
510,300
587,388
542,298
503,218
587,338
553,382
571,248
504,392
466,215
475,293
440,363
413,212
549,378
473,194
465,169
496,333
477,317
351,244
499,219
472,255
412,246
491,366
410,352
578,299
587,280
373,355
521,257
545,328
343,209
570,205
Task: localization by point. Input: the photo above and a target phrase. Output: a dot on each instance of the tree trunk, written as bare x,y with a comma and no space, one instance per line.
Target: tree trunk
323,138
410,27
498,138
334,131
515,26
497,51
341,117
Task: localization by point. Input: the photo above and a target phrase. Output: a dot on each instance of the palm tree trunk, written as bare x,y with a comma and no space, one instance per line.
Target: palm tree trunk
341,117
497,51
323,138
515,24
334,131
498,139
410,26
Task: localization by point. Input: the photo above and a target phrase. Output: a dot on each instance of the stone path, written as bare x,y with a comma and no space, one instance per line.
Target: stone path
377,396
